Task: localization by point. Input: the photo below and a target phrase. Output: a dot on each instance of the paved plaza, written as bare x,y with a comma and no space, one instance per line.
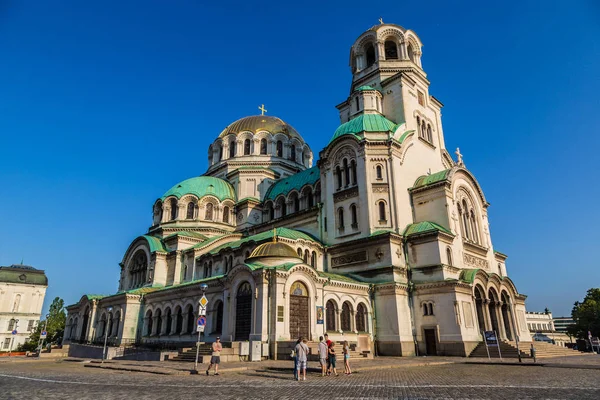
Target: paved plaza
72,380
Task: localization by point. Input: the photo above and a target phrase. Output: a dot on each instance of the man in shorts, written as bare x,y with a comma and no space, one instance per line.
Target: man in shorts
216,356
302,356
323,355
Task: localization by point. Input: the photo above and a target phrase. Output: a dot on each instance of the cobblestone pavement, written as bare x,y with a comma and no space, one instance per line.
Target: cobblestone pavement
65,380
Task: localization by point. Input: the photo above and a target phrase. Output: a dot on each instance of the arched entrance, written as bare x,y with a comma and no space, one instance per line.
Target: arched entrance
243,312
299,311
493,308
506,316
479,308
86,317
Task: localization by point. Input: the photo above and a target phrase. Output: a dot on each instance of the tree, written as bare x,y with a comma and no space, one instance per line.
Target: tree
586,315
54,324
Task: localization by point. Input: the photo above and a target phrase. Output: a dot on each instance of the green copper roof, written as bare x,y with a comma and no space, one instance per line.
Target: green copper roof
364,123
187,234
268,235
284,186
202,186
94,296
366,87
155,244
339,277
425,180
403,137
23,274
424,227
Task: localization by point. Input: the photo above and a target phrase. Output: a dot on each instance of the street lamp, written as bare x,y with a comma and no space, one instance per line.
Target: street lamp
203,287
108,310
13,332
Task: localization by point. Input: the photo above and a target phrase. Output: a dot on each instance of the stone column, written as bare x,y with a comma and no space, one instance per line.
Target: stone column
501,326
486,313
338,320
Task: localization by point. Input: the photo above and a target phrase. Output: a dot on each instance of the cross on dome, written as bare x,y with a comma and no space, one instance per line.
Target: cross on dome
381,21
459,156
262,109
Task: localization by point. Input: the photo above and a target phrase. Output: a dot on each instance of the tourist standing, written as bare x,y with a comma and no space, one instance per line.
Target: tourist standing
323,356
215,358
328,343
294,356
302,357
346,351
332,359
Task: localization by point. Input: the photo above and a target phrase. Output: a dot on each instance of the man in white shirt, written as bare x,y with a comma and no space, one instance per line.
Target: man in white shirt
302,356
323,355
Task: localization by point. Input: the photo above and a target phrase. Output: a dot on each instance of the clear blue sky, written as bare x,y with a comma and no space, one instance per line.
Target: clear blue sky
105,106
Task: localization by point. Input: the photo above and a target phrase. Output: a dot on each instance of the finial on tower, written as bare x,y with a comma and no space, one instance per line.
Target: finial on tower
274,235
381,20
460,157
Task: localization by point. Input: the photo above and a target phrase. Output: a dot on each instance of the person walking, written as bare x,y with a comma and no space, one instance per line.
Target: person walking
294,356
332,359
302,356
323,353
346,350
215,358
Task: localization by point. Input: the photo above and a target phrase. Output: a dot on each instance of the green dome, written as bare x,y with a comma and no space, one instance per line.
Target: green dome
366,87
202,186
364,123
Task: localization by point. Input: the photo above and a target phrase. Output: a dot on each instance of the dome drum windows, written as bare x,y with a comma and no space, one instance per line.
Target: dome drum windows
345,174
247,147
391,50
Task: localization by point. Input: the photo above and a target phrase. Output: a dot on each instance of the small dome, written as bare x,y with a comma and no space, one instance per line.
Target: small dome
201,186
273,249
258,123
364,123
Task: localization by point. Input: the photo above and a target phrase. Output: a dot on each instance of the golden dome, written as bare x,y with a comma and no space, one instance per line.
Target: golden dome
257,123
273,249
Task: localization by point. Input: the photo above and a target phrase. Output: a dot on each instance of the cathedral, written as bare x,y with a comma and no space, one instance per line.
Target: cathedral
383,240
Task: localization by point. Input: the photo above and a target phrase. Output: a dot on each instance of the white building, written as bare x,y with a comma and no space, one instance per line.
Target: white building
22,291
541,328
384,242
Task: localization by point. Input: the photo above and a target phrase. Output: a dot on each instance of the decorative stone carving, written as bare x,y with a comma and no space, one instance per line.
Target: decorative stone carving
475,261
346,194
380,188
353,258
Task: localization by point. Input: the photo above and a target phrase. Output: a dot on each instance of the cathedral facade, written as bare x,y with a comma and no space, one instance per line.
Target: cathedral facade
385,242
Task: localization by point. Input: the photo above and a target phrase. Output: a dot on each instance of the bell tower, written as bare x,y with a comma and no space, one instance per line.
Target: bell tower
388,79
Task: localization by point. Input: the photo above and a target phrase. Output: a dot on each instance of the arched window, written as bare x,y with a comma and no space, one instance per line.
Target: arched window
279,148
361,318
370,55
465,219
299,251
247,147
16,304
330,311
340,218
356,103
263,146
158,322
313,259
191,319
293,153
391,50
423,134
353,171
282,208
149,323
419,125
296,202
179,321
271,211
430,305
169,322
208,214
338,172
184,272
346,172
191,207
499,269
226,214
474,229
429,134
379,172
220,153
382,213
411,53
449,255
425,309
346,317
306,256
173,204
353,216
232,149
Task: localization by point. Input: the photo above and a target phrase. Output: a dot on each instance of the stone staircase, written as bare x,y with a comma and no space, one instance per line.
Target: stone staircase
509,350
189,354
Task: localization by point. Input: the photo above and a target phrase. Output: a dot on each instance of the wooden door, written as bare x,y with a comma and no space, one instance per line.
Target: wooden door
243,312
430,342
299,312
